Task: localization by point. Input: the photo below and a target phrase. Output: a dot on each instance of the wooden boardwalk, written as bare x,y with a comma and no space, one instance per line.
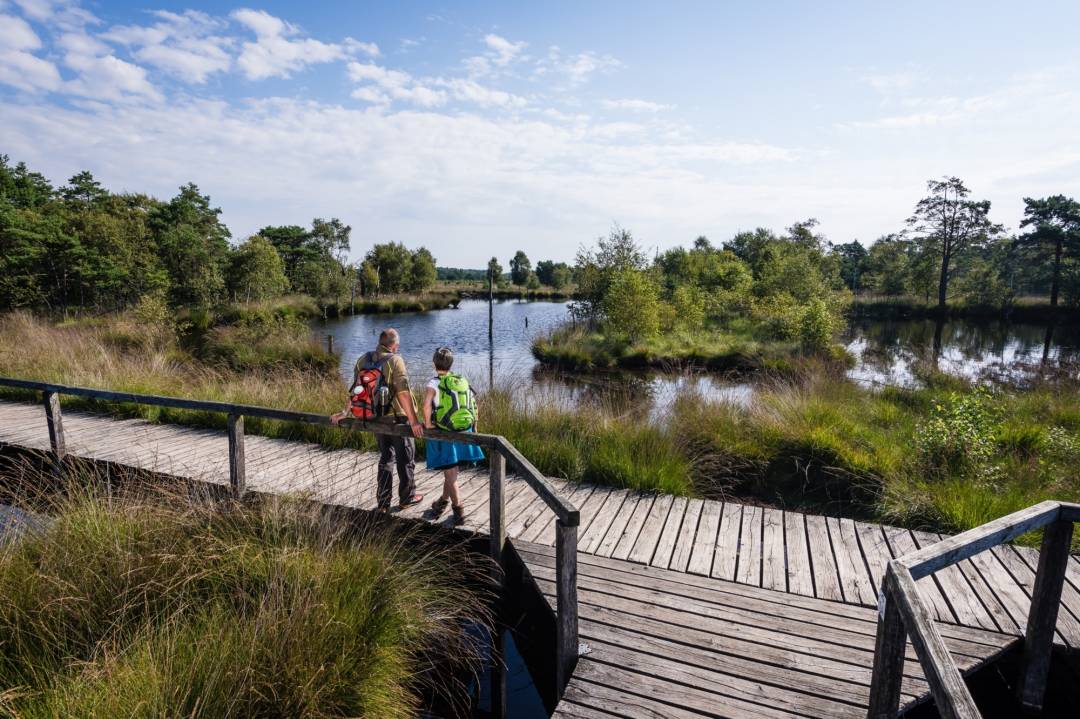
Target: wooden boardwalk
774,607
672,644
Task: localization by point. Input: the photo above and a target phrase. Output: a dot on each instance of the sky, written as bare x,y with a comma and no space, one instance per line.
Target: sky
476,129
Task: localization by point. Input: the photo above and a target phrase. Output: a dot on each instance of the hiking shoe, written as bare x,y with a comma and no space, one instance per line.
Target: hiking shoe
438,507
459,515
415,499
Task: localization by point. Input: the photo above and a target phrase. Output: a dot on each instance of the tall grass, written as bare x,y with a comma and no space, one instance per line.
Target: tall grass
151,604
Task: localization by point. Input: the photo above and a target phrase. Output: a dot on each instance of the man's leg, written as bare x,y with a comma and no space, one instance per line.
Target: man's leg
385,444
406,467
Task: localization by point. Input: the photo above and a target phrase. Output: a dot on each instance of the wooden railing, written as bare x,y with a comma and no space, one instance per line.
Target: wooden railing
902,613
500,454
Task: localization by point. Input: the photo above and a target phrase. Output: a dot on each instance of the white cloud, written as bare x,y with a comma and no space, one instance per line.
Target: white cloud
100,74
476,177
577,68
19,67
471,91
386,85
501,53
274,54
887,83
189,46
635,105
65,14
504,51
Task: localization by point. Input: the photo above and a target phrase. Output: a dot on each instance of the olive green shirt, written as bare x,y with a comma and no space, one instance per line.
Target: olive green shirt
395,375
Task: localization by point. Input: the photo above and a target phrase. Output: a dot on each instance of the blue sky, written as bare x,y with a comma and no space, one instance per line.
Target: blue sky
477,129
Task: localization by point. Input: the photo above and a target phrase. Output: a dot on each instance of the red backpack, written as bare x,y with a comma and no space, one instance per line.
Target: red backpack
368,396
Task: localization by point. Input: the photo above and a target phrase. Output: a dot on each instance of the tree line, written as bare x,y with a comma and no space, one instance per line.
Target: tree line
950,248
81,246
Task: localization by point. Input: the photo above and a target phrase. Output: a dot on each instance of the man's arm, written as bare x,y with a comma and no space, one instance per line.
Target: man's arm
405,399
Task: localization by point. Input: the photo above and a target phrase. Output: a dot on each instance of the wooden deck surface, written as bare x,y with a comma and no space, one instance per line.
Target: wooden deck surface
768,603
671,644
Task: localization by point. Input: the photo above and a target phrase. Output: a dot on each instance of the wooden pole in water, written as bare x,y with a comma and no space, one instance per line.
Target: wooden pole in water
330,344
55,421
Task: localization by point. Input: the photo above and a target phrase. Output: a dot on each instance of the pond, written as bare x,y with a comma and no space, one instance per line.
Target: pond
886,352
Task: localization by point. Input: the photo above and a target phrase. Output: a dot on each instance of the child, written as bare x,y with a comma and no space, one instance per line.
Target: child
449,405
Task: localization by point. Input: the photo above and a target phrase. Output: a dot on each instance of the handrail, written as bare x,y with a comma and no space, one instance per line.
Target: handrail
501,452
902,613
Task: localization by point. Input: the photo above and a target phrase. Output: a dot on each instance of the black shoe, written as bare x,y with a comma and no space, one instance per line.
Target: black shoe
459,515
438,507
415,499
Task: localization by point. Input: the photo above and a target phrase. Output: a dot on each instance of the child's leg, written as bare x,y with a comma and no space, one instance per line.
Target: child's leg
450,488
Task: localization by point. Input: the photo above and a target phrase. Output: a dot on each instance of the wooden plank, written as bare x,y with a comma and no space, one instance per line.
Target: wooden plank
1070,597
1025,578
726,560
649,537
748,570
1042,619
967,607
721,687
773,553
704,548
901,543
602,521
684,545
633,527
854,576
665,546
823,563
734,615
931,558
800,572
618,523
237,473
566,621
497,506
875,550
950,693
890,648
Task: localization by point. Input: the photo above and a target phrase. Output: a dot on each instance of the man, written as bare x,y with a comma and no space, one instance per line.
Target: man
393,449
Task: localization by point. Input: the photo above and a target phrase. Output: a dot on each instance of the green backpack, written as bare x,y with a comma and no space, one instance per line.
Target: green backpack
456,410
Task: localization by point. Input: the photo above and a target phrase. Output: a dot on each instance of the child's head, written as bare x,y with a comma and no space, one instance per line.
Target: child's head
443,359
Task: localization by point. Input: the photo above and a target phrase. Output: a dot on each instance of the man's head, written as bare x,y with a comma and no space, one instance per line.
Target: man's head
389,339
443,359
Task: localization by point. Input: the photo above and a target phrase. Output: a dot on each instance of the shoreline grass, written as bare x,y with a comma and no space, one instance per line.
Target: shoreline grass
146,603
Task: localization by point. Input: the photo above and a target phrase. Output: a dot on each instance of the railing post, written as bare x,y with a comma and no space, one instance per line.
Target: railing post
237,470
888,653
56,431
566,594
1042,617
497,531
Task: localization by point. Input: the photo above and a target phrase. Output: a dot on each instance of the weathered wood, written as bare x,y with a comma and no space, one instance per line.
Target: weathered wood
566,640
538,481
889,649
901,543
649,537
800,573
497,504
1045,600
633,527
773,553
727,542
498,674
826,575
237,467
953,699
929,559
704,548
55,421
665,546
854,576
684,543
969,610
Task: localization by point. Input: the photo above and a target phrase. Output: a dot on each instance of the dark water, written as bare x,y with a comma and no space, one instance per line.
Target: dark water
886,352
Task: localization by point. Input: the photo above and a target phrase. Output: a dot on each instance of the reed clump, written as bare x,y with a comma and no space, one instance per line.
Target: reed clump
143,603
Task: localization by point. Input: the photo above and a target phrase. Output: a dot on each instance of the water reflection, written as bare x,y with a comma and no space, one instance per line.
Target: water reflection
495,350
888,352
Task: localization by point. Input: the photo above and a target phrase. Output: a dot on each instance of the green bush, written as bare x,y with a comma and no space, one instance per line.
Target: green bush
958,436
631,305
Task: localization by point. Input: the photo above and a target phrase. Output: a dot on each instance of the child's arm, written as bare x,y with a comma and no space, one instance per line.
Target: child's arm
429,397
